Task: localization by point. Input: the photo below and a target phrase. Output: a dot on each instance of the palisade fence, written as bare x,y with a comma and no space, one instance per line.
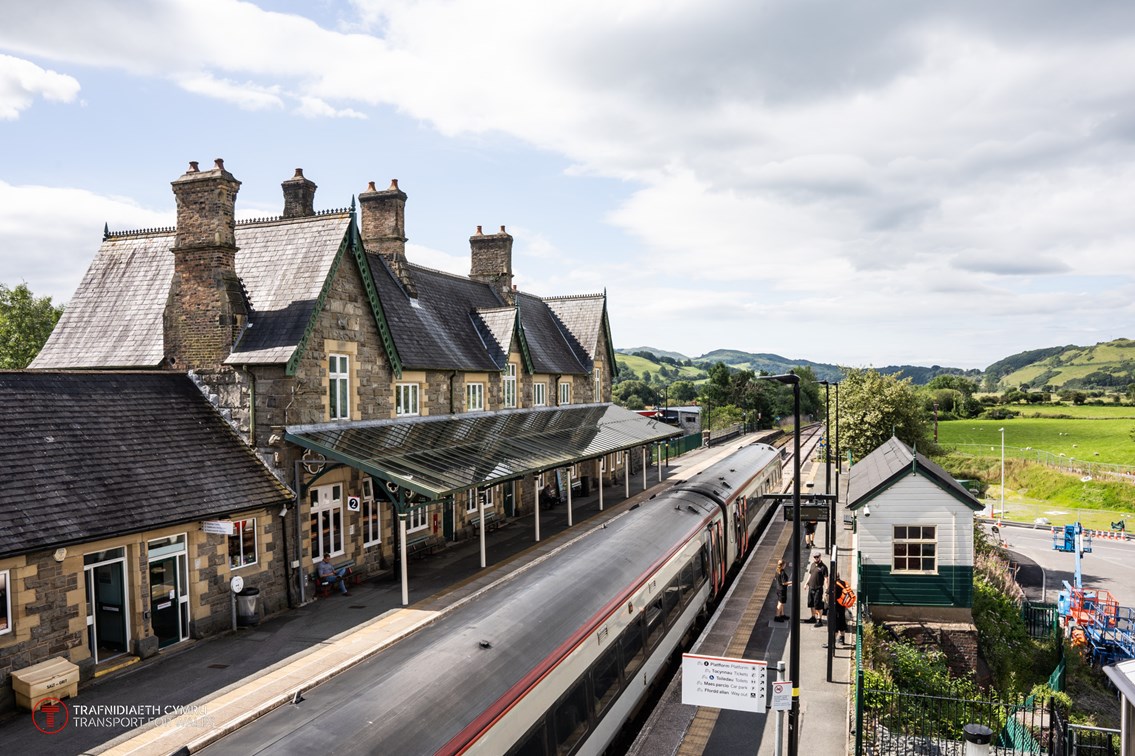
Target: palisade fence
1061,462
893,723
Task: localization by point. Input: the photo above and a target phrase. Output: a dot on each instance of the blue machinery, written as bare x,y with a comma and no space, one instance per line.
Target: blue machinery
1092,618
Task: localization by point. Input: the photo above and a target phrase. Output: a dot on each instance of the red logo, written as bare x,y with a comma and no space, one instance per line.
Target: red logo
50,715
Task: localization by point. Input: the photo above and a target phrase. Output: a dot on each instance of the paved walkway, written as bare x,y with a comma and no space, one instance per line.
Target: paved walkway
743,627
183,696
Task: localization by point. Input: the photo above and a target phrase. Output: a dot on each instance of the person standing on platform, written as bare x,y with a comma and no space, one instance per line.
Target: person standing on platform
810,534
817,578
781,582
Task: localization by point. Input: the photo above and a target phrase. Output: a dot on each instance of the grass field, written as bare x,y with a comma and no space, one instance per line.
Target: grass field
1096,411
639,364
1021,508
1086,439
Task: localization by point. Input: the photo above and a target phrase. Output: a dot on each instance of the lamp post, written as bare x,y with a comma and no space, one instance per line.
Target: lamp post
828,461
1002,473
794,637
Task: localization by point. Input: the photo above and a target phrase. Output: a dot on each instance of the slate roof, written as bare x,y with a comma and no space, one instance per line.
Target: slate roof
437,331
582,316
497,328
883,467
553,348
93,455
115,318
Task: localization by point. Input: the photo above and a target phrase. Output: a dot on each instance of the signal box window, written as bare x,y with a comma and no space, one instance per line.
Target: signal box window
915,548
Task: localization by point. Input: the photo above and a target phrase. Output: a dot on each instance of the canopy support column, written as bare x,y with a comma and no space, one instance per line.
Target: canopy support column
626,474
402,557
536,503
658,448
644,468
601,466
567,477
481,527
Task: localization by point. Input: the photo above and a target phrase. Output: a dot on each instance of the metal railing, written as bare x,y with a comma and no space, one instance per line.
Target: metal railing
1061,462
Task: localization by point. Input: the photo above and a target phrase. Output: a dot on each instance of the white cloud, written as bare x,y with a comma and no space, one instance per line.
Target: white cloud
55,231
21,81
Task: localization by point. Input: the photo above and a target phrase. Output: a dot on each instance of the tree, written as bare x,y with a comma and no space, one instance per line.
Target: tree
873,407
683,391
25,323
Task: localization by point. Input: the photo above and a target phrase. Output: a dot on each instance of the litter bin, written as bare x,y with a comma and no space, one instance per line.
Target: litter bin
247,611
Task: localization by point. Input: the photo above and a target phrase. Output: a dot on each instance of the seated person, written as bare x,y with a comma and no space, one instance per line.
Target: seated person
328,574
548,496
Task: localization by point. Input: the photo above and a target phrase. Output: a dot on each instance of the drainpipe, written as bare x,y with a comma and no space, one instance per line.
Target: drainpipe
251,406
452,375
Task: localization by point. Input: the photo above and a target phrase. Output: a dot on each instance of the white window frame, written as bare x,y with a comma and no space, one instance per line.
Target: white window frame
539,394
240,529
326,510
339,386
597,374
417,519
406,400
471,501
919,540
474,397
565,393
6,602
508,385
372,516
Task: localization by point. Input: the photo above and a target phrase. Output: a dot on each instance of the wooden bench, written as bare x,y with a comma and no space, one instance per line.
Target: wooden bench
423,544
492,522
350,577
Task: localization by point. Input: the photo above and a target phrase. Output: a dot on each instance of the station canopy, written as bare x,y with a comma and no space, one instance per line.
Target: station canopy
437,456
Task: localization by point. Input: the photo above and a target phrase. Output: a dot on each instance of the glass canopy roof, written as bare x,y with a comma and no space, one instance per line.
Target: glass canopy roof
441,455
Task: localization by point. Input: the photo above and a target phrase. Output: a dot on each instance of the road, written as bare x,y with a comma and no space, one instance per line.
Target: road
1110,566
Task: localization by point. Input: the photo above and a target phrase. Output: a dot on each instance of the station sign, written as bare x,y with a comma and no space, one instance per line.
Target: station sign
724,683
222,527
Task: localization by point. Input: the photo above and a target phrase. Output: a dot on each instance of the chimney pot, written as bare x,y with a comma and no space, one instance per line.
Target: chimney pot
502,230
193,166
370,187
479,232
299,173
394,184
219,163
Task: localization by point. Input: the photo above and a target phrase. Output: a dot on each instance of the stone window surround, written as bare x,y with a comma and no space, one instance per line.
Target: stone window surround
328,507
350,350
240,529
371,516
5,602
474,397
508,385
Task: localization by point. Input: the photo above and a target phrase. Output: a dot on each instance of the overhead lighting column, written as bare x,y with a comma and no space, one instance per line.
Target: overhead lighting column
794,637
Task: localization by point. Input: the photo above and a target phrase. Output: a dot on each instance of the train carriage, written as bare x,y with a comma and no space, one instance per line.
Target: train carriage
557,657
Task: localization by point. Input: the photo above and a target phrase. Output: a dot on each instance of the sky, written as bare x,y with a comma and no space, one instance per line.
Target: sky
864,184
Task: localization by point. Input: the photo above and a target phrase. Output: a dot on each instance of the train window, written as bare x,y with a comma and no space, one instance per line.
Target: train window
605,680
686,580
700,570
633,651
534,743
671,598
570,718
655,621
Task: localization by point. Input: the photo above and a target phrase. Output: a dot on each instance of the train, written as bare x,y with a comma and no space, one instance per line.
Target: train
558,656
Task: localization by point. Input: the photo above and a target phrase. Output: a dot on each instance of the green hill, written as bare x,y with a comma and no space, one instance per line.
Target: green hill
1109,364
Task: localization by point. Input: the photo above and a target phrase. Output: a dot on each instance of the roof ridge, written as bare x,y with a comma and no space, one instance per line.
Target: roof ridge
165,230
571,296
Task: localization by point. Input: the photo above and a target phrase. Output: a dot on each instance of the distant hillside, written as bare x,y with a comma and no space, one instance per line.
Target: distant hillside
678,356
1109,364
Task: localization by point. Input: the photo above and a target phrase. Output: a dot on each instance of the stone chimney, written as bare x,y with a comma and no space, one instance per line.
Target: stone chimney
299,196
206,308
382,223
492,262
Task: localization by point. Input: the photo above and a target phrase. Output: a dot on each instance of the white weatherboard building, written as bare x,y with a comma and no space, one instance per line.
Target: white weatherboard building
914,536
